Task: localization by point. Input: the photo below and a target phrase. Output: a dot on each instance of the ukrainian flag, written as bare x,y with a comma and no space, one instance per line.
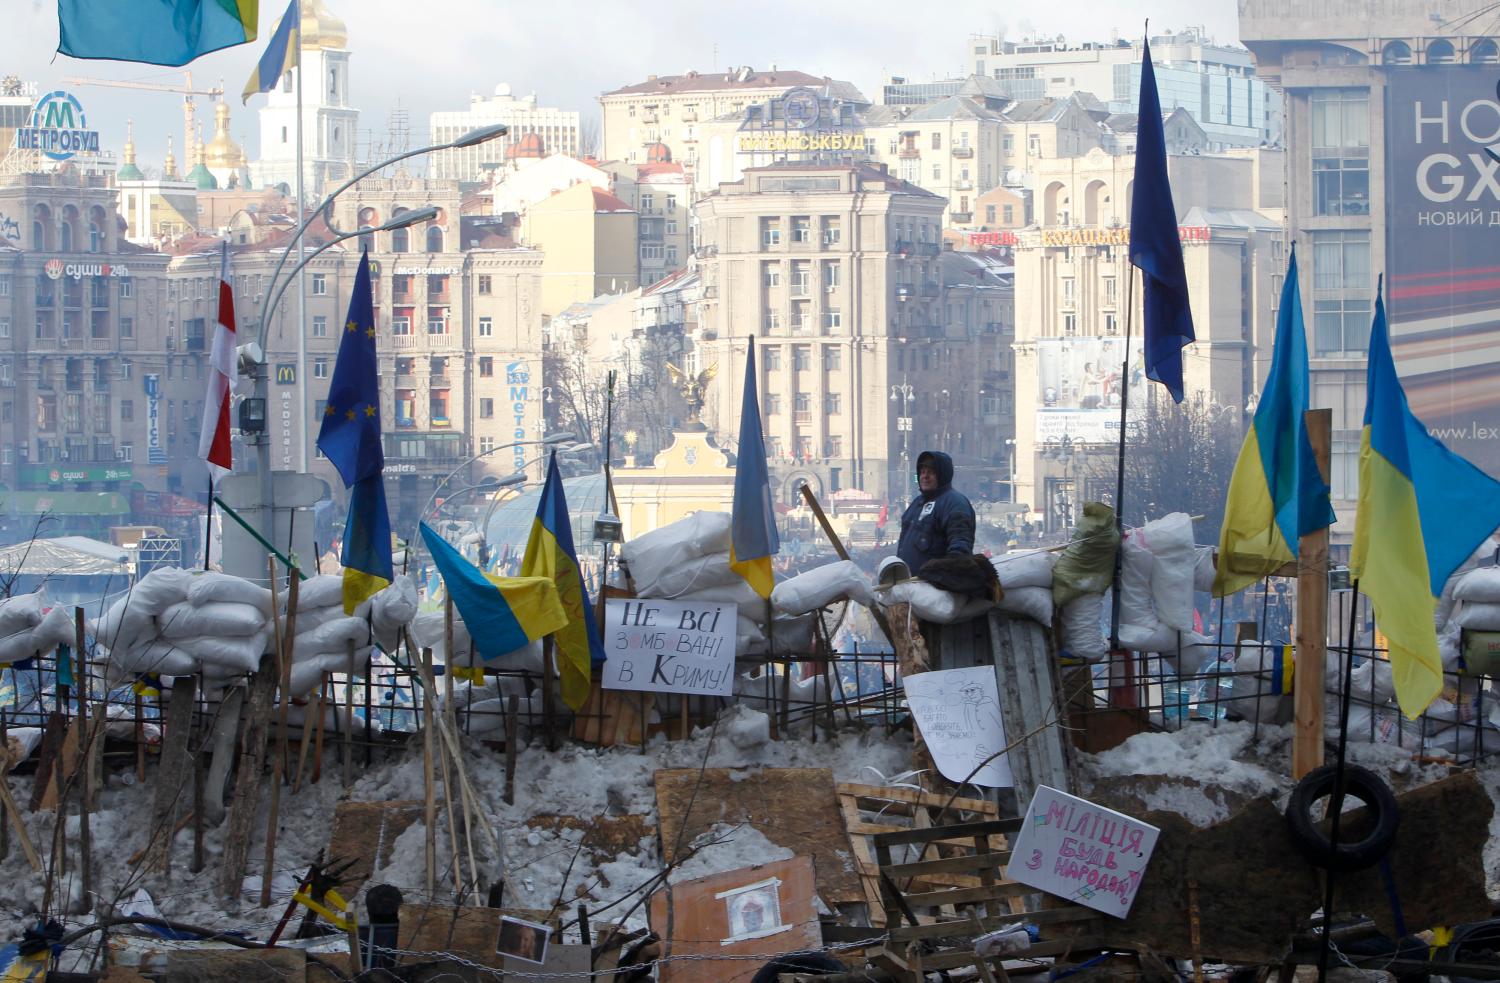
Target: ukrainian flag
501,613
280,55
1422,511
1277,494
350,439
1283,666
156,32
753,536
550,554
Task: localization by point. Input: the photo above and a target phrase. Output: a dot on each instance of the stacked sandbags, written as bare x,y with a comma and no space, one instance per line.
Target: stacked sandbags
26,632
223,622
127,632
1080,577
935,604
820,587
683,558
1157,579
1026,578
323,634
427,633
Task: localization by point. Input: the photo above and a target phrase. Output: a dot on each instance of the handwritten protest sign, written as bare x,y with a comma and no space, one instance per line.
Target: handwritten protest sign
958,713
669,647
1081,852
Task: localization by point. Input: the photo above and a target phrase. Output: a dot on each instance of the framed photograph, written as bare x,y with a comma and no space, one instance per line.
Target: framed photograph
523,940
753,911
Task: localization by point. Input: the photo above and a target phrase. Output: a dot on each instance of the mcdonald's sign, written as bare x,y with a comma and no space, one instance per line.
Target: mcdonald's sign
286,373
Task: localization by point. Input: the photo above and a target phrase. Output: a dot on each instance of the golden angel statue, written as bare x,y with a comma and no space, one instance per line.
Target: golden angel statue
694,389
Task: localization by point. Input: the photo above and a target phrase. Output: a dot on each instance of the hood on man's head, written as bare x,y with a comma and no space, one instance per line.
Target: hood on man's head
941,463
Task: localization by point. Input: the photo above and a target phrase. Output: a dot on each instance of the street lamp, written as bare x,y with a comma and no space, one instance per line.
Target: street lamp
549,441
903,391
255,366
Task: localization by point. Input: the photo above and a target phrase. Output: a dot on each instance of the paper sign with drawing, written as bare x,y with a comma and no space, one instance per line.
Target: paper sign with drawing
958,713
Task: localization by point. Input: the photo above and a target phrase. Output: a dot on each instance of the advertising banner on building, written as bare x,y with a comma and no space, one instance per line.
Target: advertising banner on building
156,453
1442,223
1079,381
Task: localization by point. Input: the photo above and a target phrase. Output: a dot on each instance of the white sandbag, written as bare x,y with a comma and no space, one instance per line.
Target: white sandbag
323,591
1136,606
791,634
234,656
330,639
309,619
689,576
1029,602
527,658
427,630
822,586
1170,540
931,603
20,613
1373,682
225,619
1450,647
1463,740
123,626
57,628
307,675
1379,725
212,586
1161,638
657,559
740,594
762,691
1082,631
159,590
394,606
1479,615
21,646
1025,568
159,657
1482,584
749,636
1252,693
1203,569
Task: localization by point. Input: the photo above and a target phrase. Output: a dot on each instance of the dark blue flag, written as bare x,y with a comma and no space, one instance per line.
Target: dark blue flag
1155,244
350,438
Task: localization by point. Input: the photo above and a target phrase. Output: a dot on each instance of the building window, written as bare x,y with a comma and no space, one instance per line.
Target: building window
1341,327
126,452
833,230
485,283
4,327
437,320
770,232
831,276
833,404
1109,291
5,286
320,326
801,358
437,405
486,367
833,318
486,445
671,205
802,408
1069,291
434,239
320,284
1111,325
651,252
1070,324
320,368
833,357
1010,214
400,241
486,408
801,228
671,226
937,141
989,214
486,327
833,446
127,288
648,202
127,410
937,172
401,324
671,254
771,274
127,327
772,358
773,320
1341,151
1341,260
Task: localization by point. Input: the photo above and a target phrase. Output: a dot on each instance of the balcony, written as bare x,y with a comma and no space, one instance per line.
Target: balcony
439,380
963,153
906,153
960,218
963,184
403,341
903,292
931,288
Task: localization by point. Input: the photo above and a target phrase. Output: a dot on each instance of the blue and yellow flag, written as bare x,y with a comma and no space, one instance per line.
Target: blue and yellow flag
550,554
501,613
1156,245
156,32
753,537
350,439
1422,511
280,56
1277,494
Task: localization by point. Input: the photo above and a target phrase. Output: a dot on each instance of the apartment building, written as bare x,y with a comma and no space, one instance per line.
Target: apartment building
557,129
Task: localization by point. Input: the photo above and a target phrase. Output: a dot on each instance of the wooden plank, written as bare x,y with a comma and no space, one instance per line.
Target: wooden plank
247,783
796,808
1312,618
974,862
701,922
53,735
366,832
964,928
173,773
470,933
914,797
958,831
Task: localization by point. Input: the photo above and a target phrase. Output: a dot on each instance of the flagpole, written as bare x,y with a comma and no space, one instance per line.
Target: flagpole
1336,806
301,276
1114,604
208,520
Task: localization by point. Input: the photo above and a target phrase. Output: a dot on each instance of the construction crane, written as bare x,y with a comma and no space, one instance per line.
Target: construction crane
189,107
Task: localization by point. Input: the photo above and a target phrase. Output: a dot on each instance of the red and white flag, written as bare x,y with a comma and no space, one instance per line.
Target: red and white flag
213,445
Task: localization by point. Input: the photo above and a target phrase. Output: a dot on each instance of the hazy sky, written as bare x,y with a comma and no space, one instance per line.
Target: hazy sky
429,55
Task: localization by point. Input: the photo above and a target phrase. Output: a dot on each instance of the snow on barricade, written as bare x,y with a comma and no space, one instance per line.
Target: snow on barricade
821,586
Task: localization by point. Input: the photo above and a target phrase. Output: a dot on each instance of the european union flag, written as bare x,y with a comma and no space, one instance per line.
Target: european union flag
1156,245
350,438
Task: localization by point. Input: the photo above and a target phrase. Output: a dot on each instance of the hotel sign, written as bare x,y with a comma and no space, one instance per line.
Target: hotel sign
1189,234
772,142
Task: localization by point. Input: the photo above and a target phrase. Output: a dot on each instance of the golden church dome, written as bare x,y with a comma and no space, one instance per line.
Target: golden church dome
320,29
222,151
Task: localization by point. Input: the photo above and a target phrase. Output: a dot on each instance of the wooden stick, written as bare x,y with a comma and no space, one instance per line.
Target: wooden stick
323,691
348,769
140,741
248,781
512,707
1312,618
85,757
177,827
200,784
310,711
428,751
278,765
172,771
549,722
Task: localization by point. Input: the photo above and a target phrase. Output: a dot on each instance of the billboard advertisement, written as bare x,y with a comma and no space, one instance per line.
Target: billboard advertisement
1079,381
1442,226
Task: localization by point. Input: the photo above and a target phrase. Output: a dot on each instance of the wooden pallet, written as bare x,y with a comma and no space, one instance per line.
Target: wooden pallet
869,810
980,851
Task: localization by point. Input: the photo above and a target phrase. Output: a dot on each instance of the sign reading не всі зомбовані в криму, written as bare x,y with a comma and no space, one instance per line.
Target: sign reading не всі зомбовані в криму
669,647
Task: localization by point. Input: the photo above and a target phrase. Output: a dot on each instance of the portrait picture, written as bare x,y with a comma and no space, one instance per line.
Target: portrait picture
523,940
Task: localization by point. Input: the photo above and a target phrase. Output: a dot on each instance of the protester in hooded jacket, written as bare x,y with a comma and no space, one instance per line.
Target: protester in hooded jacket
939,521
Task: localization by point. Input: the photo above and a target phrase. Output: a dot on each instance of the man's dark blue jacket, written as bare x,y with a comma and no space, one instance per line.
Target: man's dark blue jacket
936,523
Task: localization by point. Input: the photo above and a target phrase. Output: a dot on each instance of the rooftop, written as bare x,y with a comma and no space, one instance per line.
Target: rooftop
739,78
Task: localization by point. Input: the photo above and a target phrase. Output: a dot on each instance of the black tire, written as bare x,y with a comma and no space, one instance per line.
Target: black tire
799,962
1310,839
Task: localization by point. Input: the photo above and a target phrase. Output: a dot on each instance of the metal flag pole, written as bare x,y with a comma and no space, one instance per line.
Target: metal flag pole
301,276
208,520
1114,605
